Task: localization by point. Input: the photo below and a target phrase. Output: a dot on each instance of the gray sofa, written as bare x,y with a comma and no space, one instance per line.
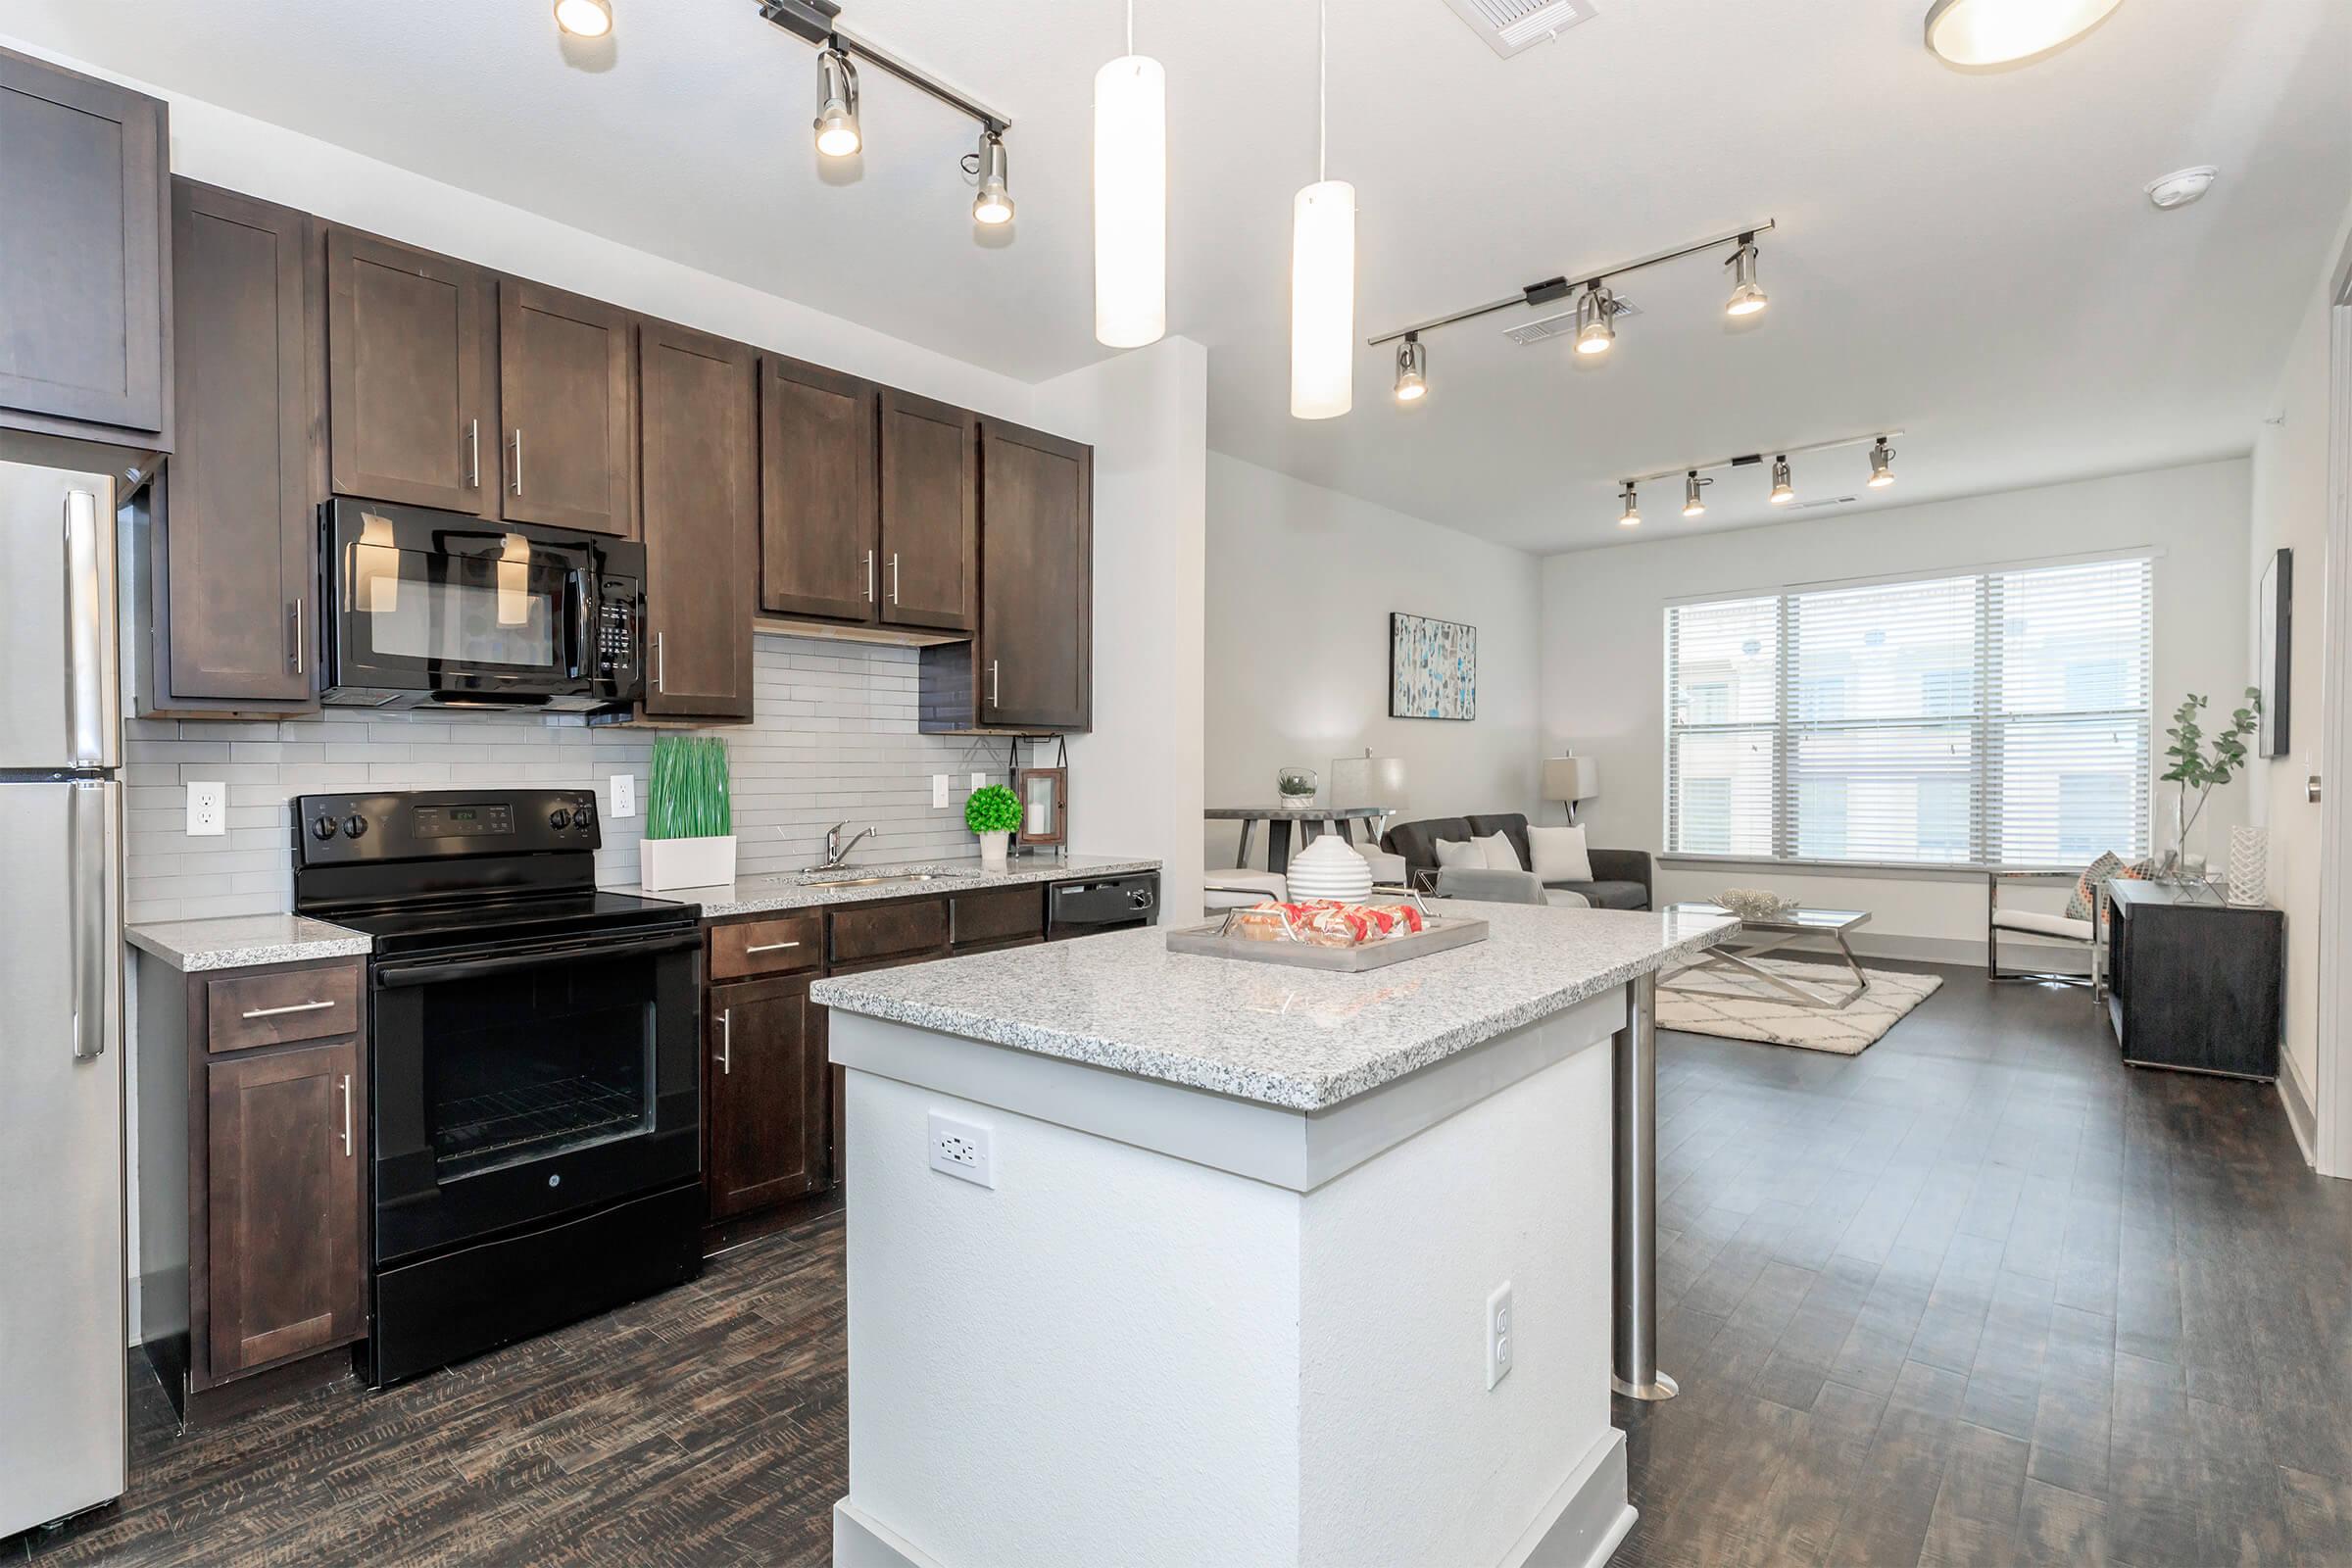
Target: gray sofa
1621,878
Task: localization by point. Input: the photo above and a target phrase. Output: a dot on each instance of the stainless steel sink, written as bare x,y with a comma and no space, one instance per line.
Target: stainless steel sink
863,879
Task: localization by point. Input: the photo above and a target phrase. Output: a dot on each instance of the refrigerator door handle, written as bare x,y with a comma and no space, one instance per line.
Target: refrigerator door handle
86,893
87,664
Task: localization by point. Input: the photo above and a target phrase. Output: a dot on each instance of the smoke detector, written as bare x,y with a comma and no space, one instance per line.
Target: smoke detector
2180,188
1545,328
1510,25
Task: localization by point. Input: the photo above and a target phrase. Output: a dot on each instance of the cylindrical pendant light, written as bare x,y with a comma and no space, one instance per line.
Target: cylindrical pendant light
1131,199
1322,275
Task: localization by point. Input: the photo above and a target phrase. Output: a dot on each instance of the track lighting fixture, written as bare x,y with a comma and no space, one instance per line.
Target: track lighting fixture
1131,199
994,204
1783,492
1747,295
584,18
837,132
1692,503
1882,464
1630,517
1595,332
1412,370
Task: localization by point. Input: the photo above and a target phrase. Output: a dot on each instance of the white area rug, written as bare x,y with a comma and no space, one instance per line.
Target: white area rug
1739,1007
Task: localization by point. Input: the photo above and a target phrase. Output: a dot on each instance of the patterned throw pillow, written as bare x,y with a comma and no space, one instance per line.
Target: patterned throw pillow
2087,888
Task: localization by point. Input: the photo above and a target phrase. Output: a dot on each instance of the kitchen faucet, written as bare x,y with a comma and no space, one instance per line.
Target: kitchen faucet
836,852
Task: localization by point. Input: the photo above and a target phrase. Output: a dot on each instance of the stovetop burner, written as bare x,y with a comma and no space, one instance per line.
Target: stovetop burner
513,921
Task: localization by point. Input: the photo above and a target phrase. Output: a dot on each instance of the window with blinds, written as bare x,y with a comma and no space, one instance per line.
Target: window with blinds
1987,719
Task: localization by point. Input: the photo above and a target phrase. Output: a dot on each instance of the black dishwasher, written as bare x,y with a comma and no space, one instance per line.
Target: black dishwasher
1105,903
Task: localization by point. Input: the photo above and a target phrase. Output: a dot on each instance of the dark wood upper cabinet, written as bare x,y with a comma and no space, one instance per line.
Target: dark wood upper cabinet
412,400
768,1117
285,1135
930,551
232,532
86,318
820,512
702,521
568,393
1034,665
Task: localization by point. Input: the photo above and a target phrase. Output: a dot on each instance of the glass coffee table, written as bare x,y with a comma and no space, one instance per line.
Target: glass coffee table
1775,934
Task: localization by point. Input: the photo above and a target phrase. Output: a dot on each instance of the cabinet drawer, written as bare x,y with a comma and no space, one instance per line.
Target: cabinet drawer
998,915
271,1010
862,934
766,947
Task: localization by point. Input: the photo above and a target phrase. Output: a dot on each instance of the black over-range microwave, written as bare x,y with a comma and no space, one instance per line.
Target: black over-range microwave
436,609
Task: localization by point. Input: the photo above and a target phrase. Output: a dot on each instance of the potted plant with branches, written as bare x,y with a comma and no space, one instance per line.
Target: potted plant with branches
2197,768
689,817
993,812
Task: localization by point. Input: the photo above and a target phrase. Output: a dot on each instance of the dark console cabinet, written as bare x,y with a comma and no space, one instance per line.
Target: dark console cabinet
2197,983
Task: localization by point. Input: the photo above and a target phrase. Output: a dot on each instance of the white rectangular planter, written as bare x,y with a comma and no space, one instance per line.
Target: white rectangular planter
664,864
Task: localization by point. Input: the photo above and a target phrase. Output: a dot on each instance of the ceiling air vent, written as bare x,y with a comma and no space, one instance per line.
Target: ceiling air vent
1510,25
1563,325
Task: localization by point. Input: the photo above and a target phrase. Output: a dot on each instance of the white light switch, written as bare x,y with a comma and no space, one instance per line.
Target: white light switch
939,789
208,810
625,795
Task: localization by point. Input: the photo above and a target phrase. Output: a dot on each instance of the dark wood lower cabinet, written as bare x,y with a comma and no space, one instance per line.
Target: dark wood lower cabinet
768,1110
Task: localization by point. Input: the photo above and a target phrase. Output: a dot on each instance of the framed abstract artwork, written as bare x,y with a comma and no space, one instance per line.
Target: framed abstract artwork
1432,669
2274,644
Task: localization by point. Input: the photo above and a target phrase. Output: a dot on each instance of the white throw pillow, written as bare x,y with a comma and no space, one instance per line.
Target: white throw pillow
1456,852
1561,854
1500,853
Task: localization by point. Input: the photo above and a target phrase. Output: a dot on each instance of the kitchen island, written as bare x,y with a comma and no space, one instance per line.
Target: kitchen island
1169,1261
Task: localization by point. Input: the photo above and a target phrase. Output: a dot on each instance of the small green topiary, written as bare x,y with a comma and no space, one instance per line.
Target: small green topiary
992,808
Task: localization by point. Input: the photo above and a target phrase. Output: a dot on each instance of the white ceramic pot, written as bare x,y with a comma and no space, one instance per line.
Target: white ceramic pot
992,850
665,863
1329,868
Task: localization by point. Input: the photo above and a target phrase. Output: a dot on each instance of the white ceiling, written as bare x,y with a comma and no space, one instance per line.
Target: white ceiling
1967,254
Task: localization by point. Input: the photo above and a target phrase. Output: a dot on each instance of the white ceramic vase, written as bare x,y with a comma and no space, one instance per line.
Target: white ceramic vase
2249,864
1329,868
992,851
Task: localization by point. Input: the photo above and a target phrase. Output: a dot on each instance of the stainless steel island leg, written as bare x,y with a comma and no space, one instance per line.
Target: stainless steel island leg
1633,1365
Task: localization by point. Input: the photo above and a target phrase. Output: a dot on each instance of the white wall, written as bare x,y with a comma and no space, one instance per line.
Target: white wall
2290,513
1603,664
1302,580
1146,414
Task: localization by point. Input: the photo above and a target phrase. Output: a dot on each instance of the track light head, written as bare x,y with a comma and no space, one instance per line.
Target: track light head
1596,332
1630,517
994,205
1693,506
1747,295
584,18
1882,464
1783,492
837,132
1412,370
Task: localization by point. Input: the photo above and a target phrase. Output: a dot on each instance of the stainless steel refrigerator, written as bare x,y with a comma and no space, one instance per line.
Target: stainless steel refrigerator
63,1422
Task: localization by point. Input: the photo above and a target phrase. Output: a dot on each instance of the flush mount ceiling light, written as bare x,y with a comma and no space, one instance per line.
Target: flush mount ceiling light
1693,506
1783,492
837,132
1322,270
1747,295
1630,517
994,205
1882,464
1413,370
2001,33
2180,188
1596,332
1783,489
584,18
1131,199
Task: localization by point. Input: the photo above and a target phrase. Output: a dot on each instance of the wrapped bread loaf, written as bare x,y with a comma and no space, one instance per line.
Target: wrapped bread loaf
1325,922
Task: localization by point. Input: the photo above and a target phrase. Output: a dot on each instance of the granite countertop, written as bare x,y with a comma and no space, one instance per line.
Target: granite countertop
243,941
792,890
1300,1039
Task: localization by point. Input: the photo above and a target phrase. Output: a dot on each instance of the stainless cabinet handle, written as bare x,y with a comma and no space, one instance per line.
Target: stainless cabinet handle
992,683
85,634
473,454
727,1040
869,577
658,661
769,947
347,1115
894,576
279,1012
298,634
85,915
519,460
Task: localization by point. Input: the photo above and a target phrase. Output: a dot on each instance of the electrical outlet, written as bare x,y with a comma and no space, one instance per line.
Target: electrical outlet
208,810
979,781
625,795
939,789
1498,1334
960,1149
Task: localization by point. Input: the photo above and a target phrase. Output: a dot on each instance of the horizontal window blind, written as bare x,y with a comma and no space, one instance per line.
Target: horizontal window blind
1996,719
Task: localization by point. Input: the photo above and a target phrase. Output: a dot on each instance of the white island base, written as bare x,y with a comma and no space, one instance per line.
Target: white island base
1185,1330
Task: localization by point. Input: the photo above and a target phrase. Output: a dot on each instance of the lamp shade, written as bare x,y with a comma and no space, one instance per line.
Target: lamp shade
1368,780
1571,778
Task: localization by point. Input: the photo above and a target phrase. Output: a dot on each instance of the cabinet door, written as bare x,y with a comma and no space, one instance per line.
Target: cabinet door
819,484
238,537
412,415
567,389
930,514
701,523
768,1090
283,1138
85,255
1035,665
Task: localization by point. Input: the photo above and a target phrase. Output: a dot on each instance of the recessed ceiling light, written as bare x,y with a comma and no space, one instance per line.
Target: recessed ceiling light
2182,186
2000,32
584,18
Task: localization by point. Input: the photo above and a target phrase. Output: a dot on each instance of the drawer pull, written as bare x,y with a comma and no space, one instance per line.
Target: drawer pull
769,947
279,1012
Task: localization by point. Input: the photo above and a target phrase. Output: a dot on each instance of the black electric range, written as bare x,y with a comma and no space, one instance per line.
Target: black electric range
535,1119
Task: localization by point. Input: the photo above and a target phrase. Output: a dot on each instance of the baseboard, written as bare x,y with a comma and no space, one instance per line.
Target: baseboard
862,1542
2300,1118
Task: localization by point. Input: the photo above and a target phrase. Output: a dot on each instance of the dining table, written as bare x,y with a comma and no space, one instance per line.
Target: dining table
1314,821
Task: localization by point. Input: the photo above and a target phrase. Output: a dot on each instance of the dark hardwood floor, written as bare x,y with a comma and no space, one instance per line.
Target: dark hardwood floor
1979,1295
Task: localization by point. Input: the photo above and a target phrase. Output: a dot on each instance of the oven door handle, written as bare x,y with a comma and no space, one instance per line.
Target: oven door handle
435,972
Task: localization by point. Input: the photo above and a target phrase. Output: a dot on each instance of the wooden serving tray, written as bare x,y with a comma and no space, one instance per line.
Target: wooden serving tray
1439,934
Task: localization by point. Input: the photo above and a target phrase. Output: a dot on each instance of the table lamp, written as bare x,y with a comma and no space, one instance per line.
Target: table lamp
1369,780
1570,779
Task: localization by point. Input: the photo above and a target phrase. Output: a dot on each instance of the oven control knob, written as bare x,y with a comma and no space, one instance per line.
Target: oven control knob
584,818
324,828
354,825
559,818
